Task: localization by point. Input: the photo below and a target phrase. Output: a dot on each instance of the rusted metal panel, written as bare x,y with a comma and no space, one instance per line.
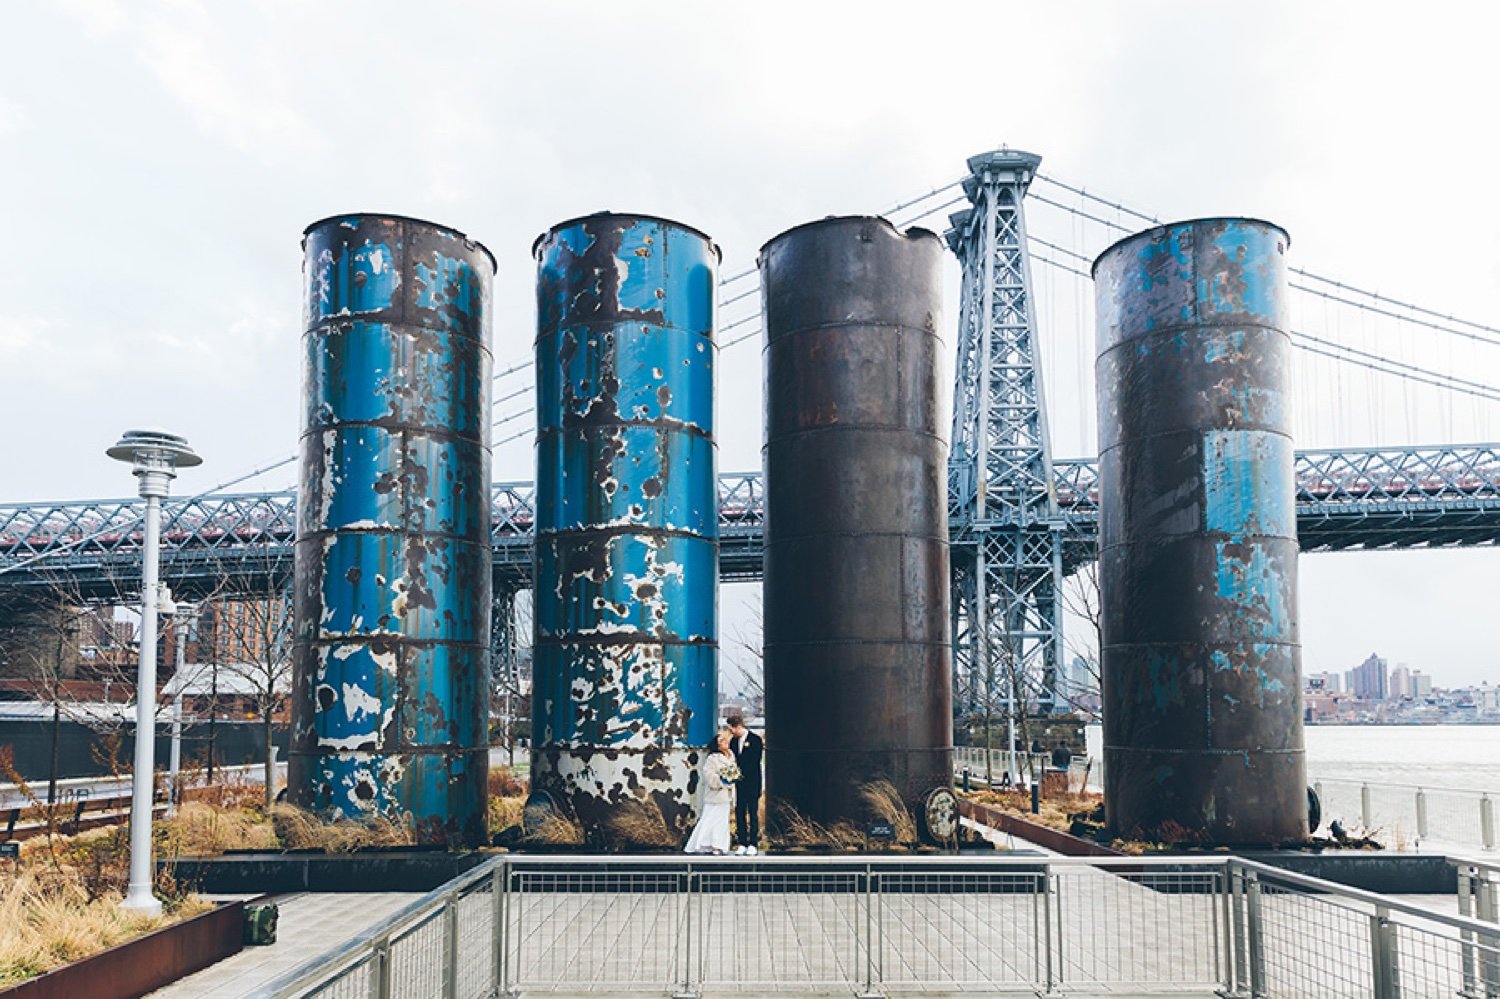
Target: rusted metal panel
626,652
857,654
1198,545
392,553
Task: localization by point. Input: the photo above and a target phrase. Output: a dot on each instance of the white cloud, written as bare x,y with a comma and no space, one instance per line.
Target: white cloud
237,86
13,117
99,18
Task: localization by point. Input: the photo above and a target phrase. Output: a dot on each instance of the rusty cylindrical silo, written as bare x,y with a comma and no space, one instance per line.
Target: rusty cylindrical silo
626,654
393,557
1198,537
857,647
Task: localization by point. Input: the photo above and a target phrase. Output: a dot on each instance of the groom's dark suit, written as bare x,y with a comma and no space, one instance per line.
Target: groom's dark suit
747,750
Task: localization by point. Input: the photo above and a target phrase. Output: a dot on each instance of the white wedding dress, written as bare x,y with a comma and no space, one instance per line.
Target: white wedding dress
711,834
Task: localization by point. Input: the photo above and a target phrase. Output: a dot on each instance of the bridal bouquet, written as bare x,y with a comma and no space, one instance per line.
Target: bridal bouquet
729,774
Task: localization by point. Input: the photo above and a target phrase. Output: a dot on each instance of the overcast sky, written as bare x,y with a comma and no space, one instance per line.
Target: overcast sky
159,160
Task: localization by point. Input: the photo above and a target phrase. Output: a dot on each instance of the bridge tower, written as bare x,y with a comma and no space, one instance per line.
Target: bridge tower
1007,556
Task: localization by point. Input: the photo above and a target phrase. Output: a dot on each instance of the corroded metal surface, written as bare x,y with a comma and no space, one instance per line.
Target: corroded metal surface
626,650
1198,537
857,653
392,553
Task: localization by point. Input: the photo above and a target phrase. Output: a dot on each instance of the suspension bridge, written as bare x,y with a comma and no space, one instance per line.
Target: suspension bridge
1021,520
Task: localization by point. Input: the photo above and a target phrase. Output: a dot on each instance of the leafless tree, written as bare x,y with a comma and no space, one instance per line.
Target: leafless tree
510,669
253,644
749,640
1081,600
42,643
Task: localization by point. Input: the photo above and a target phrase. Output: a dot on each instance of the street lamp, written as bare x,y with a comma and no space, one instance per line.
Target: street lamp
184,618
155,457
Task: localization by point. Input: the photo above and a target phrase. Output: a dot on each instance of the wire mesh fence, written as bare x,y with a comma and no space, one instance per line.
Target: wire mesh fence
1304,941
668,925
1405,816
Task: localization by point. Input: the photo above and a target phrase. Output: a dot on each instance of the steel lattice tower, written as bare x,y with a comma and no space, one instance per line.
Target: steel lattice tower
1007,559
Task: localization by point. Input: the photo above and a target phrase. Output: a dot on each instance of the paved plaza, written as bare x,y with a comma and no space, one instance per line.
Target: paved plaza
308,925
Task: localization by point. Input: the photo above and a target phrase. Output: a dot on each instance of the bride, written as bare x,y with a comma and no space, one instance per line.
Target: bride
718,775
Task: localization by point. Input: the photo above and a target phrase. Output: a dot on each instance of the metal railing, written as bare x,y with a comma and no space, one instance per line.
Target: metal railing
1400,815
1030,766
1478,896
868,926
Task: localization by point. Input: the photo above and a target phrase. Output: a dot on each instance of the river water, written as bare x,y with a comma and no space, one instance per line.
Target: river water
1466,757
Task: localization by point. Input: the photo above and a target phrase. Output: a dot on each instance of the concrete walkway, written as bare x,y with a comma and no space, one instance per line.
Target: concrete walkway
308,925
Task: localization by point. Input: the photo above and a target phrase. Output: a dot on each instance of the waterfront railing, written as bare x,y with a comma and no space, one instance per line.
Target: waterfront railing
1403,816
869,926
1400,816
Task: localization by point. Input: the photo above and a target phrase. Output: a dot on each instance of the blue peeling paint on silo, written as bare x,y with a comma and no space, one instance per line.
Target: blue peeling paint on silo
626,653
392,605
1198,537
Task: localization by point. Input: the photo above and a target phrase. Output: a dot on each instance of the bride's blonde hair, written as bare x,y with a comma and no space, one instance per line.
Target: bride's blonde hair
727,736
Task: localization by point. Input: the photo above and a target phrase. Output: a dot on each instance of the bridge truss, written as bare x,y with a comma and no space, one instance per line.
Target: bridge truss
1363,499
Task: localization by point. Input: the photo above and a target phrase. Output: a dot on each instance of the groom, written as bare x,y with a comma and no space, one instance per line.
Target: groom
747,748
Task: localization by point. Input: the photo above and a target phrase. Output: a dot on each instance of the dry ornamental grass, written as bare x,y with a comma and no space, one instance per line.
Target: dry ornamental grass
885,805
297,829
641,825
61,902
557,830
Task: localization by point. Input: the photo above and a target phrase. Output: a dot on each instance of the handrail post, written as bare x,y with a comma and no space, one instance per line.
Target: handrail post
1487,908
497,929
1225,874
1466,890
450,946
1384,966
1240,952
1256,935
1487,821
380,968
1365,812
686,989
1421,814
1047,922
869,991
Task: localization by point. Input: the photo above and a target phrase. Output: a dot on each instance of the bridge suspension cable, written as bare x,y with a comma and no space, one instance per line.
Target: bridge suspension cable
1390,366
1375,296
1380,363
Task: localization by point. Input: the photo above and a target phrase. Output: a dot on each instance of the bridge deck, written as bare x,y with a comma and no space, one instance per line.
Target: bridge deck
1377,498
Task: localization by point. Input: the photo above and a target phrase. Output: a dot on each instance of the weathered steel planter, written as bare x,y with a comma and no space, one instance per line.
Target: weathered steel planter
1034,832
145,963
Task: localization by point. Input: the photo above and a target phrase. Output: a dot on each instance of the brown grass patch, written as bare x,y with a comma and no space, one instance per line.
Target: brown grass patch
48,922
641,824
557,830
1057,811
502,813
800,831
298,829
885,805
200,829
508,782
60,902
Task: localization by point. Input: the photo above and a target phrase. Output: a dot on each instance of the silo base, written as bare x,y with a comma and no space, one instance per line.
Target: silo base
599,787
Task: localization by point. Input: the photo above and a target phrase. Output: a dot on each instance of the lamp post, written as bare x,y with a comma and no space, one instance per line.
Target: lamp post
155,457
183,621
